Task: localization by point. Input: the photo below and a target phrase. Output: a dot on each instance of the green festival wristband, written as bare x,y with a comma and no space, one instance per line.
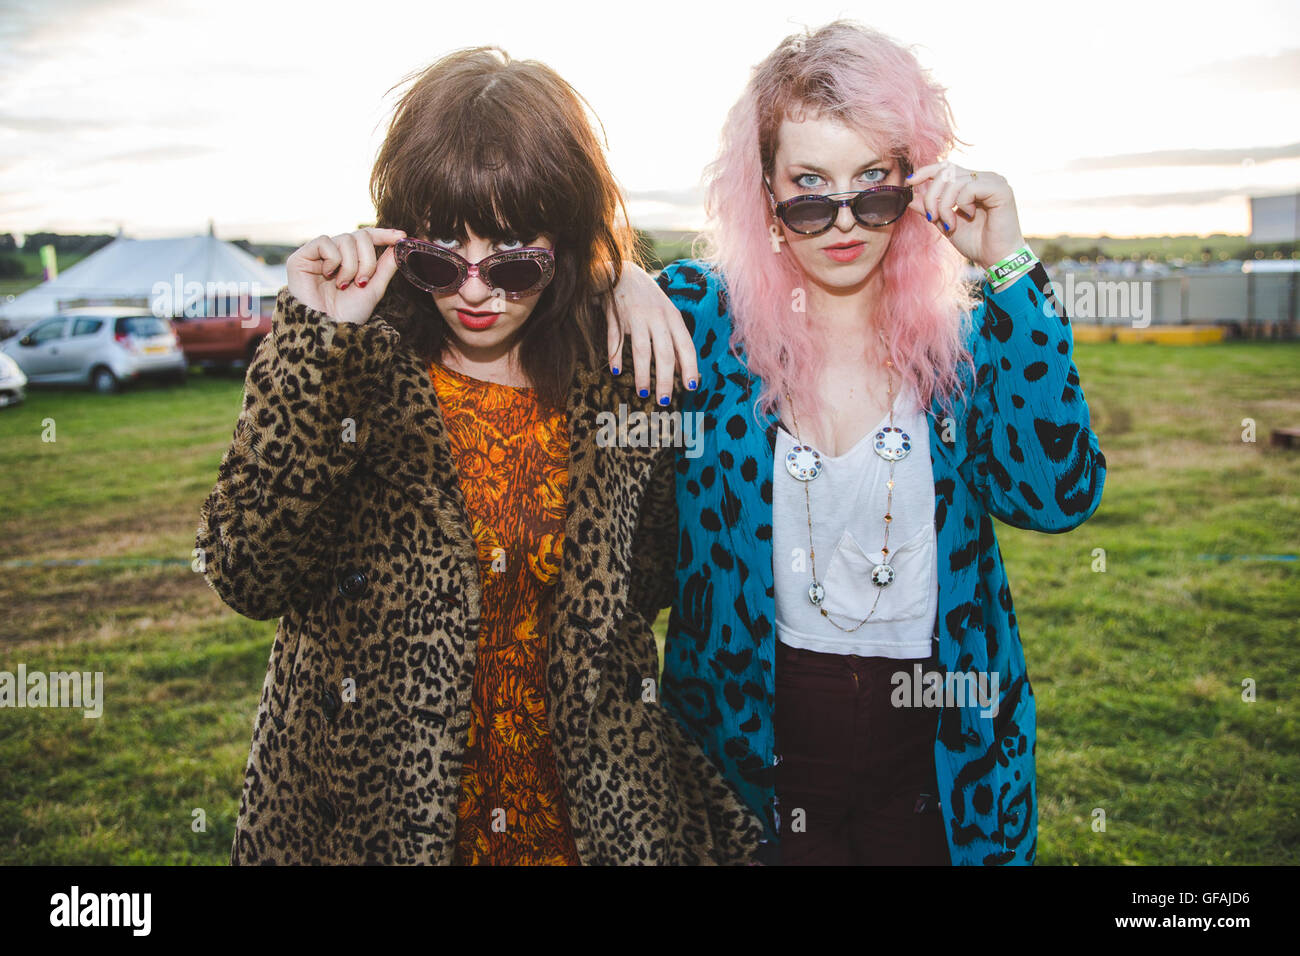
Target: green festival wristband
1007,270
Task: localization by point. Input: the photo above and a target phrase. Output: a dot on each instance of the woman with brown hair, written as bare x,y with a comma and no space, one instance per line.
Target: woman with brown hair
465,574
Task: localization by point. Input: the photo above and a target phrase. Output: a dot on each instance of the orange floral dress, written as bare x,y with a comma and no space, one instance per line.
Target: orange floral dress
512,458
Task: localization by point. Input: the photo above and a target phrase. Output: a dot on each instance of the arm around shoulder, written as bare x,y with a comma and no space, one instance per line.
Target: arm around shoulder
699,294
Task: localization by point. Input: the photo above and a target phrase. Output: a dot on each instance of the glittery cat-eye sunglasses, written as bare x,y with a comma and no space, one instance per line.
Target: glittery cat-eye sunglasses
515,272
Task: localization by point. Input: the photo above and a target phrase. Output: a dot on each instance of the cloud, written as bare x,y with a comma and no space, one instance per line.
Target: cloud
8,210
691,196
154,154
1198,197
30,30
61,125
1261,72
1185,157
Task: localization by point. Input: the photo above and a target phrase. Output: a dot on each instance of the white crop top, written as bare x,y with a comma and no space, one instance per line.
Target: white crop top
848,523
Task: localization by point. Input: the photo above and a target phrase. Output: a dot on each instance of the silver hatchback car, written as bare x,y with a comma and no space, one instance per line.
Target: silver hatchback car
12,381
103,347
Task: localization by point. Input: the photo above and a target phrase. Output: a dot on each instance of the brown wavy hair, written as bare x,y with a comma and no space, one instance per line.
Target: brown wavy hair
505,147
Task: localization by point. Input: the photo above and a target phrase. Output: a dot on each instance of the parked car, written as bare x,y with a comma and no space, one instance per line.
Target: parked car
225,339
97,346
12,382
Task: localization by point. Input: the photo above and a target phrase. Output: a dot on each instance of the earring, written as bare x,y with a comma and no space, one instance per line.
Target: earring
777,238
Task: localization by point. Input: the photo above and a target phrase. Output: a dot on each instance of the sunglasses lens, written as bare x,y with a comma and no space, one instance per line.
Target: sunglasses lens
809,215
432,269
516,275
880,209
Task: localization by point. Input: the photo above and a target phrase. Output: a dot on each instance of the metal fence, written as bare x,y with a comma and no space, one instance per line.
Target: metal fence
1251,303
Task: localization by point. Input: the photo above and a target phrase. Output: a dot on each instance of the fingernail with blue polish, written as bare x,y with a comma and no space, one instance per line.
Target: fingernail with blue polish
691,383
663,399
927,217
644,393
615,369
945,227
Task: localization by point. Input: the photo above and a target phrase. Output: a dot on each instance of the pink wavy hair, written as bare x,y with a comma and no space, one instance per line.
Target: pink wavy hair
865,80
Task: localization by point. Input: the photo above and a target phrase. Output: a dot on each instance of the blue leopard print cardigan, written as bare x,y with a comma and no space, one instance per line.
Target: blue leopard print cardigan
1019,449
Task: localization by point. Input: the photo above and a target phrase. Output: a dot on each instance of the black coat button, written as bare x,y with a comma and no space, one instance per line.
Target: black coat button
353,584
329,704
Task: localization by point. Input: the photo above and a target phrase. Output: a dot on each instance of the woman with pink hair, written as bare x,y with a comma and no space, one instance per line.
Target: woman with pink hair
843,641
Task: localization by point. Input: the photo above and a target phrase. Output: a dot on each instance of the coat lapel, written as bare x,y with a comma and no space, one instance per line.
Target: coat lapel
409,447
590,597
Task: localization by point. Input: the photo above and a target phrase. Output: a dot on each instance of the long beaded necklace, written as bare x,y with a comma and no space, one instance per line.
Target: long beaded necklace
804,463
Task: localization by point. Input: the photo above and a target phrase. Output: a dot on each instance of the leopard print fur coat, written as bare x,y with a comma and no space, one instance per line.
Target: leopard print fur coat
338,510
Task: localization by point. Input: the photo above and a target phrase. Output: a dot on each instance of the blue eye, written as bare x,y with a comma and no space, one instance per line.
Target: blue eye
884,174
505,245
799,180
446,243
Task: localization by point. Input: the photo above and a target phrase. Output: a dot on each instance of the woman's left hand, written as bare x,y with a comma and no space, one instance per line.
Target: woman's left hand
973,208
657,332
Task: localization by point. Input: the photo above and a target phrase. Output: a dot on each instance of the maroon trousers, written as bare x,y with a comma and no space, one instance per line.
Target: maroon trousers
855,781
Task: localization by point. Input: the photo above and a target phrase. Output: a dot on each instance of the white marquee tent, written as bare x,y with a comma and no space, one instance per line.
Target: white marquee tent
168,275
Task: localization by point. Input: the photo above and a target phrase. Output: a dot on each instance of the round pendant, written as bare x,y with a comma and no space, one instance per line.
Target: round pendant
882,575
893,444
815,593
803,462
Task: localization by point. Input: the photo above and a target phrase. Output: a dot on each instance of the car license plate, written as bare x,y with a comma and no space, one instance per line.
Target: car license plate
152,349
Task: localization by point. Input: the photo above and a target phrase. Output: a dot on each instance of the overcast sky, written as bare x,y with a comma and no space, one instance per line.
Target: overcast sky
1118,118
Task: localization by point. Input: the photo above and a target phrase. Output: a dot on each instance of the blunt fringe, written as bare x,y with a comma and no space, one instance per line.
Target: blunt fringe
505,147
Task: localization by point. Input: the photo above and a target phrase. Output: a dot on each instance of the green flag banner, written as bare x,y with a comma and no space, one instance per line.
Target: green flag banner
49,262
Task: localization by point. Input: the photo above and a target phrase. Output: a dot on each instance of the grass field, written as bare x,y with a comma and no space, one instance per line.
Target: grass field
1138,670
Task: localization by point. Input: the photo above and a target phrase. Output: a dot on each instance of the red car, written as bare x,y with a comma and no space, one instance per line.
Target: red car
229,337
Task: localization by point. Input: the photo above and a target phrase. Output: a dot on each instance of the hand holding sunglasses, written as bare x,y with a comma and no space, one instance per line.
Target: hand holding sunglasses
342,276
974,209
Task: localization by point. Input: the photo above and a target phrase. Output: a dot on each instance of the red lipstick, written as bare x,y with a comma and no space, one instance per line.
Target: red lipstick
476,321
844,251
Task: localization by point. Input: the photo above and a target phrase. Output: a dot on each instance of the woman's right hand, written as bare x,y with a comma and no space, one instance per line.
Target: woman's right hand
342,276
